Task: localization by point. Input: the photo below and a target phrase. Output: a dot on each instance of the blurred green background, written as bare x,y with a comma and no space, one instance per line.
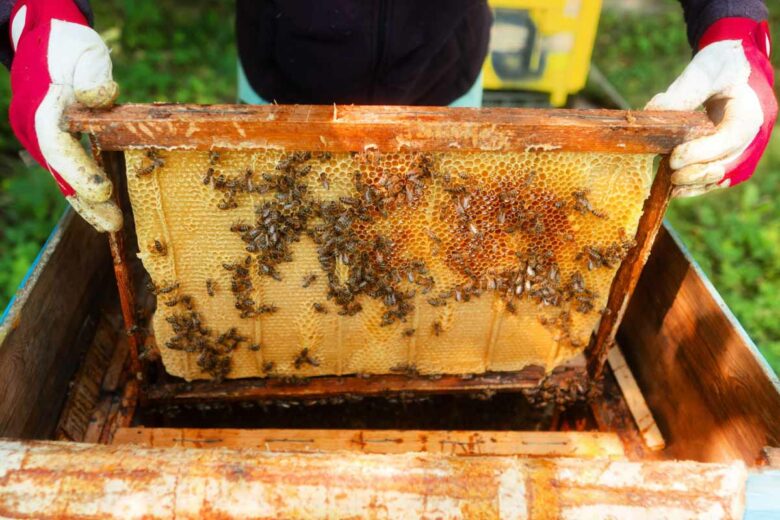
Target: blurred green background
165,50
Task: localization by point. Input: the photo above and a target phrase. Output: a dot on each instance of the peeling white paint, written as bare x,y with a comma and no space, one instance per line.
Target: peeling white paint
511,495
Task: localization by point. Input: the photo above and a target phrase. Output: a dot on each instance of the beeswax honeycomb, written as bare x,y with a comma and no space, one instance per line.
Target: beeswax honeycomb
269,263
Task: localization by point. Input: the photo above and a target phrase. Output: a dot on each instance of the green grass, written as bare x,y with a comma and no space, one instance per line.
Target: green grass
30,204
185,51
734,234
162,51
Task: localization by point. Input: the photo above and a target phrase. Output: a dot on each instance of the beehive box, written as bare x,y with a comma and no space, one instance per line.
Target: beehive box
309,241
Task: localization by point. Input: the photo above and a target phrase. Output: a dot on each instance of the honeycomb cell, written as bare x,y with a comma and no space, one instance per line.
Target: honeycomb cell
276,264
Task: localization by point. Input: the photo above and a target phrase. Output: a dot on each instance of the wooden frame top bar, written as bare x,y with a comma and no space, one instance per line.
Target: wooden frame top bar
385,128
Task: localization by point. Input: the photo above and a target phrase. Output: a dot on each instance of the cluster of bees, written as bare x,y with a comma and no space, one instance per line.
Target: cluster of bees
191,336
610,256
356,266
392,192
512,210
562,389
242,287
281,222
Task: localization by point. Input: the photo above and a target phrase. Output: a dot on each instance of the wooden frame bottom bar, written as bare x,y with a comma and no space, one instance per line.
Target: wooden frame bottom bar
531,379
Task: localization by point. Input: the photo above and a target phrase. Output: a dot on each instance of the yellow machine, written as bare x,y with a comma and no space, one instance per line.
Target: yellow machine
541,45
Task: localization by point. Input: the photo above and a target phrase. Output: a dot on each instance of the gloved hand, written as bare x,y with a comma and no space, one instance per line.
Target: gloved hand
731,75
59,60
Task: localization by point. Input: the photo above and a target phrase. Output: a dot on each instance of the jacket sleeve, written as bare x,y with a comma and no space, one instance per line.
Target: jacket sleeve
6,49
700,14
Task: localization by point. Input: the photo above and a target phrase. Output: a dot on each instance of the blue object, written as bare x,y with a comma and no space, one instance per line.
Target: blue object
762,498
247,95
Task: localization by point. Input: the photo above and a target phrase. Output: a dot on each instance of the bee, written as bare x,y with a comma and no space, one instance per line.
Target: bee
324,181
239,227
227,203
408,333
207,177
301,156
254,347
160,248
156,162
267,309
308,280
583,205
351,309
510,307
320,308
304,358
268,366
407,369
577,282
437,328
350,201
168,289
132,331
213,157
593,257
210,287
220,181
433,236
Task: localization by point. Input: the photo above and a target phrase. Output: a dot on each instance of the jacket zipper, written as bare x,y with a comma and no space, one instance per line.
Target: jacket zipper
380,45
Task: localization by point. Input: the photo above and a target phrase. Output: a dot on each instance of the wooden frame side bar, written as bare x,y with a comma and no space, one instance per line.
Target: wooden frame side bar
385,128
628,273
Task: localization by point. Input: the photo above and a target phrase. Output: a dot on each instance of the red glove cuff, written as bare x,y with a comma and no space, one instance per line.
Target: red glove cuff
739,29
757,46
43,11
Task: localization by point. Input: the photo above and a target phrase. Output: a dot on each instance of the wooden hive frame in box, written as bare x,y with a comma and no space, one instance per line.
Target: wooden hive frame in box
393,129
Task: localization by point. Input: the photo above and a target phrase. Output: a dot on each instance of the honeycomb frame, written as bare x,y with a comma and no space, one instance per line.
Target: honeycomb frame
494,140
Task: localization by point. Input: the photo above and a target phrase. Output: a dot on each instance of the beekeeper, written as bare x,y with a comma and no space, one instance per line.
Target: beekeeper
374,52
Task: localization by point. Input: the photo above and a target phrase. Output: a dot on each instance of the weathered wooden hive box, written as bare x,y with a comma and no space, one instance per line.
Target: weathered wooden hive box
329,307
